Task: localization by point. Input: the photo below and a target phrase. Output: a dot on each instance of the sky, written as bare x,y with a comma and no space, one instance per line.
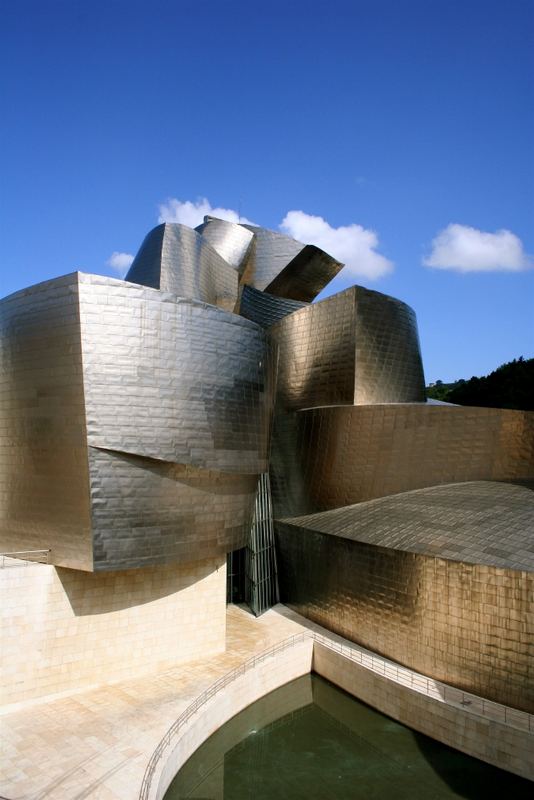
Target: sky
396,134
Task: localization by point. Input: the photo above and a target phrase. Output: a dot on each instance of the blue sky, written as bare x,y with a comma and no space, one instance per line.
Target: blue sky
398,122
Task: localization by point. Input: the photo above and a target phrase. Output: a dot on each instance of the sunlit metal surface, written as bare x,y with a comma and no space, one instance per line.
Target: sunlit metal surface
356,347
137,423
44,476
147,511
270,253
174,379
334,456
177,259
441,580
264,308
306,275
286,268
230,240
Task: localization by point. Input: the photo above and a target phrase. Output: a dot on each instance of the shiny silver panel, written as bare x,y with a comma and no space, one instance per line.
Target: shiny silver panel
270,253
44,498
325,458
265,309
469,529
356,347
306,275
137,424
230,240
389,368
146,511
460,622
174,379
177,259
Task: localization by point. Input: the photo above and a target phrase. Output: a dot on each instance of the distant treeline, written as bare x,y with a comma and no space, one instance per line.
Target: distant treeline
510,386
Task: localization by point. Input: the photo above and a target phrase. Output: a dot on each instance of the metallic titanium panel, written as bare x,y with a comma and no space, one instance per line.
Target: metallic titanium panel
389,368
265,309
43,448
306,275
153,512
324,458
230,240
261,578
93,366
270,253
458,521
177,259
466,624
174,379
356,347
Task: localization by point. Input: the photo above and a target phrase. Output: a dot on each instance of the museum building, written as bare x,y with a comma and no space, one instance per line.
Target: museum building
205,432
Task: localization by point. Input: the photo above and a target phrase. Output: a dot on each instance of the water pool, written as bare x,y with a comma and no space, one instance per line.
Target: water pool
310,740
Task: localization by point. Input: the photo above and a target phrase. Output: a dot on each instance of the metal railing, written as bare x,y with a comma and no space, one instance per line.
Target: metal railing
205,696
26,556
382,666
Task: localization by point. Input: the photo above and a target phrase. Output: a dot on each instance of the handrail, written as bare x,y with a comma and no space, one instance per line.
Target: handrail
26,556
366,658
206,695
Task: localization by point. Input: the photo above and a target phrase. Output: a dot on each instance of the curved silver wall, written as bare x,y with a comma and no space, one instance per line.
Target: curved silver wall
44,478
177,259
269,254
174,379
232,241
306,275
440,580
335,456
286,268
265,309
356,347
137,426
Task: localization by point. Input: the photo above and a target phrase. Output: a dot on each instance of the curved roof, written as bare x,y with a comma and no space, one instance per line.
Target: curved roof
479,522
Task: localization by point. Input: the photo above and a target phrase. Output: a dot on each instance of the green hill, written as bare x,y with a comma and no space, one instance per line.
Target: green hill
510,386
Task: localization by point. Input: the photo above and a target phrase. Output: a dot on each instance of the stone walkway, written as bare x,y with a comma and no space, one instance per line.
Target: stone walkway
97,743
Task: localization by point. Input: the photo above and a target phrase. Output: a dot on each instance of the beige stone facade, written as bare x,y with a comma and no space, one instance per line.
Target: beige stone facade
98,743
505,744
64,630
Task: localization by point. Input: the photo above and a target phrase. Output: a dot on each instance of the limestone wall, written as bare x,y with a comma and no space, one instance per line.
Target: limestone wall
64,630
500,744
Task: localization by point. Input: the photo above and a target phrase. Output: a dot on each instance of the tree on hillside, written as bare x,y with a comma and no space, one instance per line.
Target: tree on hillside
509,386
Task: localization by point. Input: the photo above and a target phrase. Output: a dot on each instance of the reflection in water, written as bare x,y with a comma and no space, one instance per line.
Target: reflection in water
310,740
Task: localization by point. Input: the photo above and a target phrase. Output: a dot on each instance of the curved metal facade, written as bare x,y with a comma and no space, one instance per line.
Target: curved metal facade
232,241
305,276
177,259
137,418
270,253
137,426
265,309
328,457
44,476
356,347
286,268
145,511
440,580
174,379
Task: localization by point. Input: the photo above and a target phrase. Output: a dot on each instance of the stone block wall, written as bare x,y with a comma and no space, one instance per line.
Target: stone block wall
64,630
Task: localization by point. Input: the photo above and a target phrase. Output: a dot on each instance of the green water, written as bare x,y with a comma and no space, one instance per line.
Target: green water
311,741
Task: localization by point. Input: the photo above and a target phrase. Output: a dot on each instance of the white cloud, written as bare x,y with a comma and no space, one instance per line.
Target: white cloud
120,262
352,244
466,249
192,213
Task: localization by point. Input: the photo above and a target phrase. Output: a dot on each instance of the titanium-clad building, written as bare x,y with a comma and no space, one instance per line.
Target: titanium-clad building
191,410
